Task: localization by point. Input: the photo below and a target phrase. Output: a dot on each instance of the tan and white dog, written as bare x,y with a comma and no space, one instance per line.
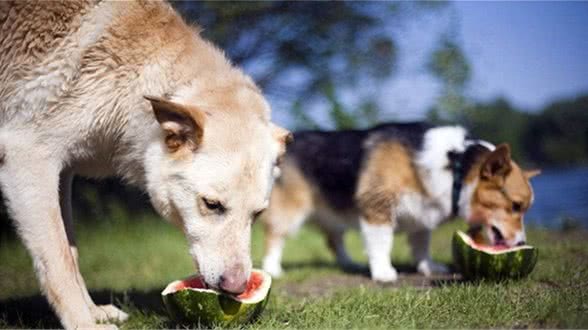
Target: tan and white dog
128,89
408,177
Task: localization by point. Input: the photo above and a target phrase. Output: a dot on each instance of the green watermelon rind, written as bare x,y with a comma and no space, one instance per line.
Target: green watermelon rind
211,308
478,264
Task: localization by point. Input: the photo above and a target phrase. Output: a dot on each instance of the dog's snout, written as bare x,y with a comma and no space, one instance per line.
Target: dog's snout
234,280
521,243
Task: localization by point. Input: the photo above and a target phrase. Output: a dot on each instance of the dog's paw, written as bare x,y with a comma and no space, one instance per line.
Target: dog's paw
353,267
428,268
105,313
384,274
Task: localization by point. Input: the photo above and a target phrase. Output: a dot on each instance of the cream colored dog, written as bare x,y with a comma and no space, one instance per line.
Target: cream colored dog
128,89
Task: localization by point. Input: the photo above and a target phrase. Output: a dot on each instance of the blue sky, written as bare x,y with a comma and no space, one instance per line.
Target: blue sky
529,52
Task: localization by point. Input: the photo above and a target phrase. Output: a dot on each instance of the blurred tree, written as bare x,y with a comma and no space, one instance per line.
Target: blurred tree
498,121
555,136
559,134
304,53
450,66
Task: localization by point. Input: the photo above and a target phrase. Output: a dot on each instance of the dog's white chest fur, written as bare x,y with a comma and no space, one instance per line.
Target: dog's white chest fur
415,210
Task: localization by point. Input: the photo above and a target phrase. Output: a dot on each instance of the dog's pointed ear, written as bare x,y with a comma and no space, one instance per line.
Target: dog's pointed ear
283,137
531,173
497,164
183,126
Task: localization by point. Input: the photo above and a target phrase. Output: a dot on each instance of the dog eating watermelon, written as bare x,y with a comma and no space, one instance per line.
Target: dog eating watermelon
479,261
190,301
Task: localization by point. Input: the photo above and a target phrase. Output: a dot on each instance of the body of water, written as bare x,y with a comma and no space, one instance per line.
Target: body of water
561,198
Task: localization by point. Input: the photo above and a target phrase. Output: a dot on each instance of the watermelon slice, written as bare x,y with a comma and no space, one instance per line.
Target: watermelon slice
190,301
476,261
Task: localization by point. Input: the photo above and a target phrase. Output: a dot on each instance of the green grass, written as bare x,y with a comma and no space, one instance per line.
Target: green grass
129,262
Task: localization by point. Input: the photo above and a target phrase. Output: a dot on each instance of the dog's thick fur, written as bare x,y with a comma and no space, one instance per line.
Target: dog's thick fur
395,176
127,89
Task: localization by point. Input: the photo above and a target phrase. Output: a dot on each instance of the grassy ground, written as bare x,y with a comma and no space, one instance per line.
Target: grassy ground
129,262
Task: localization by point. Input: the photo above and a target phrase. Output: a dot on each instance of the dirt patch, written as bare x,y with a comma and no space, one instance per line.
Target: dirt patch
325,285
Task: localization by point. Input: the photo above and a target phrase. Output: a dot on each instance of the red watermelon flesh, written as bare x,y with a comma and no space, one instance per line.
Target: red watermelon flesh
493,248
193,283
254,282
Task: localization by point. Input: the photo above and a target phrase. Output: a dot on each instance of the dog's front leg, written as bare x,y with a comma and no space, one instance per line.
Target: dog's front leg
274,246
419,242
378,239
279,222
100,313
30,183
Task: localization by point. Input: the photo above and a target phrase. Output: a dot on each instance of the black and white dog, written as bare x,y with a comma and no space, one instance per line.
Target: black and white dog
395,176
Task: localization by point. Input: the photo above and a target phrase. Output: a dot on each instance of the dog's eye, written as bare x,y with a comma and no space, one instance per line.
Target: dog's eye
517,207
488,205
213,205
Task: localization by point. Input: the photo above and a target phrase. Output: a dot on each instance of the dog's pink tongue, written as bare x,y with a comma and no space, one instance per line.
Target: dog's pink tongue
499,247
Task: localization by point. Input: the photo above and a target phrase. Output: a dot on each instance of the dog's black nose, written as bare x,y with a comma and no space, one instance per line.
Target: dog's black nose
521,243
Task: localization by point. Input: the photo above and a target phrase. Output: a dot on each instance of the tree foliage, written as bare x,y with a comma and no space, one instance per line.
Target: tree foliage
450,66
557,135
304,52
500,122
